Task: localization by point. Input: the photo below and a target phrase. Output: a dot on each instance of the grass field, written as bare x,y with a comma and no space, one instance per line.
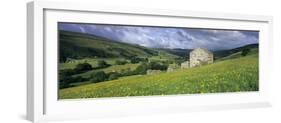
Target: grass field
92,61
230,75
114,68
238,55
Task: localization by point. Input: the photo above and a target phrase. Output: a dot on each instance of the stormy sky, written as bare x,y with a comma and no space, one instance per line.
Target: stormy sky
168,37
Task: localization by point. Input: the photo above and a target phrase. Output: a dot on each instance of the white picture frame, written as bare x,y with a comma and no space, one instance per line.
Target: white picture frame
42,103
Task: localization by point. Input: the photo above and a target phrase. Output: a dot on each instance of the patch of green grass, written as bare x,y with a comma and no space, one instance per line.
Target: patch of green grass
238,54
92,61
233,75
163,56
114,68
86,45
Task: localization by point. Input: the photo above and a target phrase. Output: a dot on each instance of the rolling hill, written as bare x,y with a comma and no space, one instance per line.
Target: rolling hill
224,53
218,54
78,45
179,52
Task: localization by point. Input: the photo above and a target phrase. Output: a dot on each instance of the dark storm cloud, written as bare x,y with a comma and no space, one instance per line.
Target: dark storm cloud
158,37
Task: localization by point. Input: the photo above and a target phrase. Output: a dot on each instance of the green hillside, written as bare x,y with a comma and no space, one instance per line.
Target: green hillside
238,54
230,75
80,48
92,61
226,53
114,68
77,45
217,54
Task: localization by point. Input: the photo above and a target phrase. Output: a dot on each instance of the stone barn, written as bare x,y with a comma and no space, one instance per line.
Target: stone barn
185,65
172,67
200,56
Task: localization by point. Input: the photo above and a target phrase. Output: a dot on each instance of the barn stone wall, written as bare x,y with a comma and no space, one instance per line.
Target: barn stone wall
172,67
185,65
199,57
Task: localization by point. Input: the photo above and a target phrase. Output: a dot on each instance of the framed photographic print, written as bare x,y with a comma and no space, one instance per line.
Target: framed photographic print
107,60
93,61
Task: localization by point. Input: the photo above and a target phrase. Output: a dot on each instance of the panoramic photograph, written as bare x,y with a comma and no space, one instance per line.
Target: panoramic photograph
105,60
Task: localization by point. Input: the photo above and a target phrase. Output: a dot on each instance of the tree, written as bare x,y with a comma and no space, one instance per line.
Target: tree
245,51
62,58
113,75
66,72
82,67
141,69
63,84
102,64
66,81
157,66
120,62
135,59
127,72
98,76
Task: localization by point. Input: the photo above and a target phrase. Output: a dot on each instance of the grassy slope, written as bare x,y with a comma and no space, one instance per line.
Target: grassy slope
225,53
240,74
218,54
91,61
114,68
238,54
85,46
109,47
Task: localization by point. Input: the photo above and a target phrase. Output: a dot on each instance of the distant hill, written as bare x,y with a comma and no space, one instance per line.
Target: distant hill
218,54
225,53
179,52
78,45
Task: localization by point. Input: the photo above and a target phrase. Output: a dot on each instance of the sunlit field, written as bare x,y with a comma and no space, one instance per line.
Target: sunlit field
234,75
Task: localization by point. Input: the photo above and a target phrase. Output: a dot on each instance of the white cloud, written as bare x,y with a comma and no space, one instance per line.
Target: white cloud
158,37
